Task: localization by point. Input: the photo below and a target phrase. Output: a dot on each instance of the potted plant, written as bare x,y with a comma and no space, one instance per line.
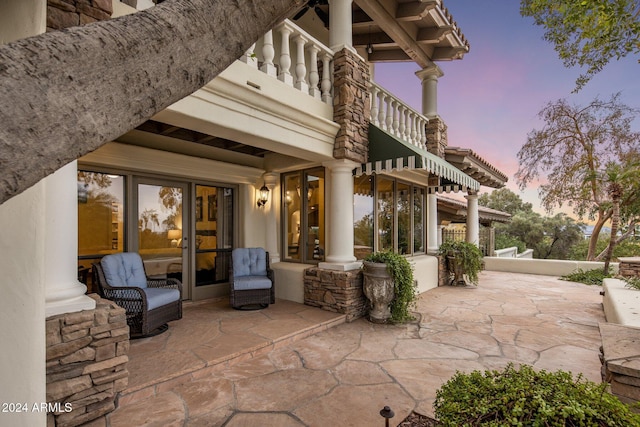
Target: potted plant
389,286
464,261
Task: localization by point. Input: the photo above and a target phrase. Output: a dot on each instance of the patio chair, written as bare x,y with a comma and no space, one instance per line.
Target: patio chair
251,279
149,303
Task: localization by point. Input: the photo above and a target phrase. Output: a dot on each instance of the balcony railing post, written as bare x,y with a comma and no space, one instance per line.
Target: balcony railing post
401,124
314,77
301,68
326,84
249,57
389,118
374,105
268,54
396,120
381,110
285,57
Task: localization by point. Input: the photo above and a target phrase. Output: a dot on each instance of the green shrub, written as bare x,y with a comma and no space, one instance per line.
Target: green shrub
631,282
588,277
525,397
468,253
405,290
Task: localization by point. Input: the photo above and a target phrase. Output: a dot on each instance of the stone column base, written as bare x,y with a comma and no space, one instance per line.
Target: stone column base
86,363
336,291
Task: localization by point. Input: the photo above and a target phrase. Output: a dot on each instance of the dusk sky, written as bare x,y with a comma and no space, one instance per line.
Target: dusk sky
491,98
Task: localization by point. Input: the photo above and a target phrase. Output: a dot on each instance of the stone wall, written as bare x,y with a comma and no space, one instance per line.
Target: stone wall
86,362
69,13
436,136
629,267
620,358
336,291
444,276
351,106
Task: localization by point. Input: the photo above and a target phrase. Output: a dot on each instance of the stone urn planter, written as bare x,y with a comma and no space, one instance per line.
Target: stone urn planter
457,269
378,288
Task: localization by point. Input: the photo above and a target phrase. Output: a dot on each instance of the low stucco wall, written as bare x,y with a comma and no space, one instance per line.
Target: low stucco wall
289,277
547,267
621,304
425,271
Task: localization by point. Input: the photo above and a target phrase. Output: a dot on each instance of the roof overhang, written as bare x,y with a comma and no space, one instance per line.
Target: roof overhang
475,166
458,210
390,155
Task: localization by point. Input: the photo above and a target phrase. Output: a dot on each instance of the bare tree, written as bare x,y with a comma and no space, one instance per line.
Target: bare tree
572,150
65,93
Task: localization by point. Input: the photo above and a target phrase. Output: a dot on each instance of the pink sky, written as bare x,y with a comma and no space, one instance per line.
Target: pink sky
490,99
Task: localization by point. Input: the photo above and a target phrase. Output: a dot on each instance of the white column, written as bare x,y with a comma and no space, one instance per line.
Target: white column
340,209
271,180
473,220
429,77
340,34
64,293
432,223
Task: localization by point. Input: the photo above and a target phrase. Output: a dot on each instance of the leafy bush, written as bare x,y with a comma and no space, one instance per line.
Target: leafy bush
525,397
405,290
632,282
588,277
626,248
468,253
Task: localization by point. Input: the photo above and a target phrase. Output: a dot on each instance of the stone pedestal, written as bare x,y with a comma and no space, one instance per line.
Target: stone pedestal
86,362
336,291
378,288
629,266
620,358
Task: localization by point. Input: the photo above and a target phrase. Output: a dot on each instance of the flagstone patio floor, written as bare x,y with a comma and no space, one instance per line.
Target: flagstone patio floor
293,365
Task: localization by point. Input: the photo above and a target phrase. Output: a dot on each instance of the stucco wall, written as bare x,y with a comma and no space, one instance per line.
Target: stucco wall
22,311
548,267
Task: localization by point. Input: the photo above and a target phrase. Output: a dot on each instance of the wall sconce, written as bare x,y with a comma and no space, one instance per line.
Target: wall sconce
174,235
369,48
263,196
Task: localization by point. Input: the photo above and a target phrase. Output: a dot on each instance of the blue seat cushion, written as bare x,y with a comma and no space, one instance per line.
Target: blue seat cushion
244,283
124,269
249,262
157,297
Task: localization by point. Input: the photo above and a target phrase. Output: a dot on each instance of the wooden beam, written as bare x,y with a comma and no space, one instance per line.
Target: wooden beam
415,11
433,34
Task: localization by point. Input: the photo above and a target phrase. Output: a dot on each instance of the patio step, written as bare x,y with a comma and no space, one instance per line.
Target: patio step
176,362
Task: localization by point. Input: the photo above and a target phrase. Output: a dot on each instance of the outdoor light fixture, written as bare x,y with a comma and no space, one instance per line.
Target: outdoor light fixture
263,196
369,48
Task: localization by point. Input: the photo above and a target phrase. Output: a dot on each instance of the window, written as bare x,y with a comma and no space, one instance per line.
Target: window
363,216
101,213
398,220
303,215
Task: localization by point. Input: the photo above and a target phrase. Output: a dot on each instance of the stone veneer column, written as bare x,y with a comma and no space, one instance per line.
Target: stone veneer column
340,32
64,293
473,226
271,180
340,251
429,77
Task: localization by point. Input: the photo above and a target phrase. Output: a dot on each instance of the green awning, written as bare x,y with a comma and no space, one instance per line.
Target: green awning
387,154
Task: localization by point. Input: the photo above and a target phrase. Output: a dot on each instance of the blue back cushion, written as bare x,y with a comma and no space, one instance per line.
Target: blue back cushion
249,262
124,269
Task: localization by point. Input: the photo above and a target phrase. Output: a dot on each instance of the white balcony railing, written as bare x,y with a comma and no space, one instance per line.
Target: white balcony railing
288,44
393,115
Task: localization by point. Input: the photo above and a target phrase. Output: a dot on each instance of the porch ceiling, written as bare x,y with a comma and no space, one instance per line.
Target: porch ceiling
457,210
421,31
182,134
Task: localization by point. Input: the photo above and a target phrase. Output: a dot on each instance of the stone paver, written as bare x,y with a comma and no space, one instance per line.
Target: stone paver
346,374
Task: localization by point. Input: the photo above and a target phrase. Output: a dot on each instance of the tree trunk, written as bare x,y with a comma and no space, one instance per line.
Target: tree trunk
615,220
597,228
65,93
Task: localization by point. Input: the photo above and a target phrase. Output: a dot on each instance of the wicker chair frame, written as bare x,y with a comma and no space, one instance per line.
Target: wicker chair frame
252,298
142,321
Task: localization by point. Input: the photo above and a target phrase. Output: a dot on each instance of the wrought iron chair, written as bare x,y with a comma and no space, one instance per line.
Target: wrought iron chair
149,303
251,279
